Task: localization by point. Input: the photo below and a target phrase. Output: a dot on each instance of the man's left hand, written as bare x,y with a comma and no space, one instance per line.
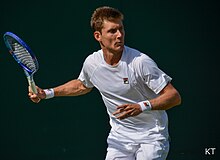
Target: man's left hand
127,110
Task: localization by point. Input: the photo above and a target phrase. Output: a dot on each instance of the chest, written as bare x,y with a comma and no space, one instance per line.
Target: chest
118,80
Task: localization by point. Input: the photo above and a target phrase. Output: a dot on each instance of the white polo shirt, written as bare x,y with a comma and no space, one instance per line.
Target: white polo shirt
136,78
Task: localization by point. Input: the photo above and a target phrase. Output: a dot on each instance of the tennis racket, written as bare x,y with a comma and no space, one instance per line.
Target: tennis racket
23,55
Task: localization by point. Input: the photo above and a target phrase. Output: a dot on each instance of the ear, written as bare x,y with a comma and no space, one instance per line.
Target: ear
97,35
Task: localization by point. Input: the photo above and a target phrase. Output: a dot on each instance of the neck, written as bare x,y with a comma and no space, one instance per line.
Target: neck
112,58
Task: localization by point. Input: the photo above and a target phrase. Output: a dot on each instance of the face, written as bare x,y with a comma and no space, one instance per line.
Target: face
111,37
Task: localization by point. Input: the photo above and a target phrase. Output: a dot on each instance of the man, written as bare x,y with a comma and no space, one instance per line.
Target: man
135,92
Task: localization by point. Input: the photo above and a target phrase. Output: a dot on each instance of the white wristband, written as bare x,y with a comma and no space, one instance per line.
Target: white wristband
49,93
145,105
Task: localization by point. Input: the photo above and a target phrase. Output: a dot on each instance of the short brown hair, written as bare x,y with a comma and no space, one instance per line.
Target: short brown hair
104,13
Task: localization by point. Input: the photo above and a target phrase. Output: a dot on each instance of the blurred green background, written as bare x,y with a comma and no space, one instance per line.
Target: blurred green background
181,36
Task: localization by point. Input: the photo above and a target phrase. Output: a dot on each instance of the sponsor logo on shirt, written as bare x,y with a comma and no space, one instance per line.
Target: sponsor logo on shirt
125,80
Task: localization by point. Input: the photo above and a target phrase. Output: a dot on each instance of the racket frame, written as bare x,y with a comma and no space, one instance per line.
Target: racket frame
28,72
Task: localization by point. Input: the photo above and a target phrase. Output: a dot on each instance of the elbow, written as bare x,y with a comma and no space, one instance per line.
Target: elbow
178,98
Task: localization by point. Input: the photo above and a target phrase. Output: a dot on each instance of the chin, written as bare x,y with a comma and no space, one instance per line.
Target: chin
117,49
120,48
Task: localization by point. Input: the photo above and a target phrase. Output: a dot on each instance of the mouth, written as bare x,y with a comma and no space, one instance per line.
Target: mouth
119,43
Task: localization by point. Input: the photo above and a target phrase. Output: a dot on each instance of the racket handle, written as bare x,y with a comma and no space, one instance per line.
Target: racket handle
32,85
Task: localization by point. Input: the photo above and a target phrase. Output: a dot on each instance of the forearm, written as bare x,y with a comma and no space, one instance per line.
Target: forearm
168,98
71,88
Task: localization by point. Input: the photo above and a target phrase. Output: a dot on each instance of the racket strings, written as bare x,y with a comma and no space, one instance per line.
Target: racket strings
23,56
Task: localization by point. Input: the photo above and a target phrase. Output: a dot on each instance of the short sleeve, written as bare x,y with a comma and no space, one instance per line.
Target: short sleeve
152,76
84,77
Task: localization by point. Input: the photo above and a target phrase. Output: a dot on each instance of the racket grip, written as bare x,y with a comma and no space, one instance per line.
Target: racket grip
32,85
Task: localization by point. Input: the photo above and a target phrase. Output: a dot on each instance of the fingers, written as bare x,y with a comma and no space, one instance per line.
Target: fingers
127,110
125,115
120,109
33,97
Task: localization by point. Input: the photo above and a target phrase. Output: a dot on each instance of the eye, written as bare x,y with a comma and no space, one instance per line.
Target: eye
121,29
112,31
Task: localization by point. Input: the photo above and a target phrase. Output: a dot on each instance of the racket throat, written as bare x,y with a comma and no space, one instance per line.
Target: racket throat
31,82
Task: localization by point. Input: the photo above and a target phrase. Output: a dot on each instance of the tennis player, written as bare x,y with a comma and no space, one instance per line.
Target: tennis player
135,91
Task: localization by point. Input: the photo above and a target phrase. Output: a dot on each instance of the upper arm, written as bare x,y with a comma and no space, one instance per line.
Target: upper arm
171,93
84,89
168,98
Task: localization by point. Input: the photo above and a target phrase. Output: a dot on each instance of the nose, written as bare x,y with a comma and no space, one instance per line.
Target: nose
120,33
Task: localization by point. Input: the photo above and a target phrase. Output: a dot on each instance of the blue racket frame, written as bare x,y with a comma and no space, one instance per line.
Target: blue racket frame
19,40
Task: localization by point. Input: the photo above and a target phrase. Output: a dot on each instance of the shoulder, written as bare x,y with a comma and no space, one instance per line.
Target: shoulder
138,58
93,59
95,56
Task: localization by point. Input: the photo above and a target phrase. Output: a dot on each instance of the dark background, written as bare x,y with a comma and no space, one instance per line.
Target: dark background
181,36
